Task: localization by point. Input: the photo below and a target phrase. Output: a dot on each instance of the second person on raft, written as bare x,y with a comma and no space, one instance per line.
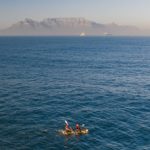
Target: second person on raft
78,129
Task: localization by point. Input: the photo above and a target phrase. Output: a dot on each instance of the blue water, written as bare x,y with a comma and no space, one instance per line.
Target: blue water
102,82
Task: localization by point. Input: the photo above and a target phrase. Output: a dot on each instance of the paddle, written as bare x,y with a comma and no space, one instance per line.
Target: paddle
66,123
83,125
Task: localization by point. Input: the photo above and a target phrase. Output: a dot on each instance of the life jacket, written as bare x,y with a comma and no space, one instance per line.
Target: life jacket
77,127
67,127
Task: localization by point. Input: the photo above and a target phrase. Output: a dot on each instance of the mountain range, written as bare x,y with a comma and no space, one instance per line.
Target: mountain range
68,26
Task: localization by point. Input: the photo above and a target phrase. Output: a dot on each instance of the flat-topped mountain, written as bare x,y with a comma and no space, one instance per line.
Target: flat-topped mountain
67,26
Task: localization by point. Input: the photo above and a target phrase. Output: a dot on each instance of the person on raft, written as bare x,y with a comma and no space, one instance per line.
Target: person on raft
67,128
78,127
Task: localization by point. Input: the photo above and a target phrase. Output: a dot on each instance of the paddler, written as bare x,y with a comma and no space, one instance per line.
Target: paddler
67,128
78,127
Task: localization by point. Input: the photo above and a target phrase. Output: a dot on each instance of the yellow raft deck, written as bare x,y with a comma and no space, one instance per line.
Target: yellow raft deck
82,131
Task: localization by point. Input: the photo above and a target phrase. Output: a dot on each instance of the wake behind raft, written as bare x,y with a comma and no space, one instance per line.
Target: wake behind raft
69,131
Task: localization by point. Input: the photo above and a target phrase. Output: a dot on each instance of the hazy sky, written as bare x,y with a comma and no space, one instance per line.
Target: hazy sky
124,12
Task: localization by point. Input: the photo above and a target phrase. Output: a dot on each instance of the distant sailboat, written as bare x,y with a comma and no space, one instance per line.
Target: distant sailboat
82,34
107,34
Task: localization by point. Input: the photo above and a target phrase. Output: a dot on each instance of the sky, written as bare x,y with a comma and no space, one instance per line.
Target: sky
122,12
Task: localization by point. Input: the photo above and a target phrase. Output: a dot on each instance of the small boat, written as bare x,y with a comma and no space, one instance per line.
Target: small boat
72,132
82,34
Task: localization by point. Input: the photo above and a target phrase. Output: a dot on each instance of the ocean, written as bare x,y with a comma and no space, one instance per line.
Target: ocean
101,82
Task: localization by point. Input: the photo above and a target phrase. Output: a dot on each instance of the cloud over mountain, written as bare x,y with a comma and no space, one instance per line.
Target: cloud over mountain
67,26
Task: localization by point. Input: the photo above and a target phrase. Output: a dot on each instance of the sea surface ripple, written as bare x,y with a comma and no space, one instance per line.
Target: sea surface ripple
102,82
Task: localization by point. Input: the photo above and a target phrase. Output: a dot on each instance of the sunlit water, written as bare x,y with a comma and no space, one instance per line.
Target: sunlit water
102,82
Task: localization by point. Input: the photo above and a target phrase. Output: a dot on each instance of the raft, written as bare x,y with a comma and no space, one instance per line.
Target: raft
72,132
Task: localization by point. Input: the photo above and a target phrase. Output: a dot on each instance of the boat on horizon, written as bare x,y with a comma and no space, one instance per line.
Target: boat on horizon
82,34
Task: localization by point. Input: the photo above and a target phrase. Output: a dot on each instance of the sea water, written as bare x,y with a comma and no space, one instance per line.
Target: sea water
102,82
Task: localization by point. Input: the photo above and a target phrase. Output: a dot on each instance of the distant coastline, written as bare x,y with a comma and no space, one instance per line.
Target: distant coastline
69,27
